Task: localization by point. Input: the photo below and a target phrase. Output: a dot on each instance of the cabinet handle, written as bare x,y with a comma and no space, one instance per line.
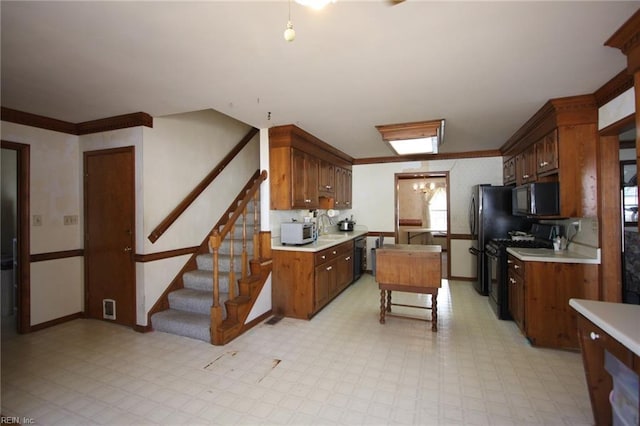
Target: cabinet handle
512,281
347,258
324,257
329,268
334,252
509,261
594,335
516,266
525,176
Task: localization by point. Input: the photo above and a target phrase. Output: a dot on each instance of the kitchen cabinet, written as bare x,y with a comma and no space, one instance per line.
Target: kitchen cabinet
526,166
343,188
539,294
509,171
304,282
621,321
547,154
327,177
559,143
515,281
303,171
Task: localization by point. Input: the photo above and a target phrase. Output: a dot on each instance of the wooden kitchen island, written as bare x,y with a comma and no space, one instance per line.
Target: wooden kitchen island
409,268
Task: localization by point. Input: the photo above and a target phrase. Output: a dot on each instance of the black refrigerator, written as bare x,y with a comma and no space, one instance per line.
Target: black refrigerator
490,217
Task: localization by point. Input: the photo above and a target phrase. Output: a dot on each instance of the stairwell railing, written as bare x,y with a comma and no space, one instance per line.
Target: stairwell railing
228,230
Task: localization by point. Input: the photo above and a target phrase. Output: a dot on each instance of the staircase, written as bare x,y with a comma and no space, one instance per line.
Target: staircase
191,309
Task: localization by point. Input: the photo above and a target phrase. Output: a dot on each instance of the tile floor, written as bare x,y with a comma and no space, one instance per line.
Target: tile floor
342,367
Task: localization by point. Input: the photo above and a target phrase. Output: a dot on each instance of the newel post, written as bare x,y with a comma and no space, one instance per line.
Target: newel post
216,311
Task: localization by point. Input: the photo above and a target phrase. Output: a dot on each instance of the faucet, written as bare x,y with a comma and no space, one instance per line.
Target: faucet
322,219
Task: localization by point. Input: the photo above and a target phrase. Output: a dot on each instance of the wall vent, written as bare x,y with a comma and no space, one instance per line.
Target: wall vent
109,309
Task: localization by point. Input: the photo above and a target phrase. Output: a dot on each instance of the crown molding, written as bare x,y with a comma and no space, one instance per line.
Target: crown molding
94,126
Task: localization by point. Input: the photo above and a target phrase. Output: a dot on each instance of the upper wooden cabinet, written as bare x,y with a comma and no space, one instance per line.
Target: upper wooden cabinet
559,143
547,154
343,189
305,172
509,171
327,174
304,180
526,166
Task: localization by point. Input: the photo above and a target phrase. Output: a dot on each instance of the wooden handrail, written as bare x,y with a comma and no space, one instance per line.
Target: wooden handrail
216,239
191,197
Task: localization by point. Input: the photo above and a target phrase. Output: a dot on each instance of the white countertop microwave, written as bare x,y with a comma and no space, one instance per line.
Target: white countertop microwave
297,233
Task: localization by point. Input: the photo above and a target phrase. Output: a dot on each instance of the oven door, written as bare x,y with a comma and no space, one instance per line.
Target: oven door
493,271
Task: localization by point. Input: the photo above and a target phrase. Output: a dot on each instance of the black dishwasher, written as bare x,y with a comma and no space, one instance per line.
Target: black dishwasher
359,248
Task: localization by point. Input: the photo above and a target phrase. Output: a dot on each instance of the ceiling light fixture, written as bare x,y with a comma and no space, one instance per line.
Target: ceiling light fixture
289,32
315,4
421,137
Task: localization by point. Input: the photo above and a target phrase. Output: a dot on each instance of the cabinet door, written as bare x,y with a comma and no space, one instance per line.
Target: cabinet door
327,178
304,180
509,170
345,270
525,166
347,189
321,285
339,192
516,298
547,153
593,342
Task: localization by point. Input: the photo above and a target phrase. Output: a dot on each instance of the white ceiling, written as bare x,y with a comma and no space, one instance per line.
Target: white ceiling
485,67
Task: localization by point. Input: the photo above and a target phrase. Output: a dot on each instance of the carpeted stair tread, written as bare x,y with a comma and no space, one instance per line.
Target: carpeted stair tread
198,279
188,324
186,299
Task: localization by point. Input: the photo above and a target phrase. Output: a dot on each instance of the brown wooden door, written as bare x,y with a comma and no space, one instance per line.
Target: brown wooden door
109,196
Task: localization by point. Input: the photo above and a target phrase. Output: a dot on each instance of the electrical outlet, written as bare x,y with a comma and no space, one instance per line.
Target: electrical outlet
37,220
71,219
577,225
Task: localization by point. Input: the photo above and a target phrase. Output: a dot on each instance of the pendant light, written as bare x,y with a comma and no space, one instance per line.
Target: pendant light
289,32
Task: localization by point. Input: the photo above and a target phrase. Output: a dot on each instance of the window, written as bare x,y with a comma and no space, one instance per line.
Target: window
438,210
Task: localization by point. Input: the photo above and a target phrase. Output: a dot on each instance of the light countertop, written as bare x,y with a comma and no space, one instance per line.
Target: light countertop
619,320
323,241
582,255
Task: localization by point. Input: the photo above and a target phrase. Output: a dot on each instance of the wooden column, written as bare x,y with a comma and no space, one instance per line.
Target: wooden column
627,39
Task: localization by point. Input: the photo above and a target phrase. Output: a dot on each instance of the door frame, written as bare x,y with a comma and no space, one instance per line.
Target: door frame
424,175
23,151
133,294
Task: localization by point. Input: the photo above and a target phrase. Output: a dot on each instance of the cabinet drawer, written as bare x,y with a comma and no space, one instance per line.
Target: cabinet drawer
516,266
589,332
331,253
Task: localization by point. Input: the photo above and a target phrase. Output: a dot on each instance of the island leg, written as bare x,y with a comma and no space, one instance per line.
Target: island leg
388,300
434,310
382,307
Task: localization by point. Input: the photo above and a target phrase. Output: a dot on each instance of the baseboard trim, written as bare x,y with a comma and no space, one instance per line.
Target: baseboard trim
461,278
142,328
257,320
56,321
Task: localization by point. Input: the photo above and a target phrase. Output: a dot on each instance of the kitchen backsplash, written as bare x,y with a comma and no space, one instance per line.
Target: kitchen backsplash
579,230
276,217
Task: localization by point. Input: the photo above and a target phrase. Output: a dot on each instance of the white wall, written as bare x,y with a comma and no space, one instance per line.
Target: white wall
373,197
179,151
171,158
57,286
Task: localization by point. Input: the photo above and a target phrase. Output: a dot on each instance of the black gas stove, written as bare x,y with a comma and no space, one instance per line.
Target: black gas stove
496,259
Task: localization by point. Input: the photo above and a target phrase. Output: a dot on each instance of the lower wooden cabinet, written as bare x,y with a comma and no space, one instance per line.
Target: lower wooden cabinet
593,342
539,294
304,282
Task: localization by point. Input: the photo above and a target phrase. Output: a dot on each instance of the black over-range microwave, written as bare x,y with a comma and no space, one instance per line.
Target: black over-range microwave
536,199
